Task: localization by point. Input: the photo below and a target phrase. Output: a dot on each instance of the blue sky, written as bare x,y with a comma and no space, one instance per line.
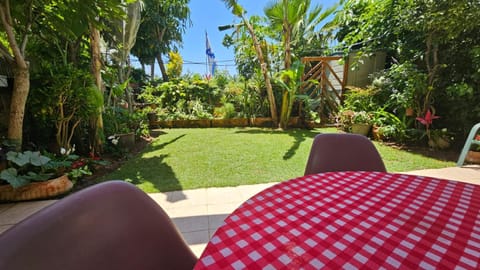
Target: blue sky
207,15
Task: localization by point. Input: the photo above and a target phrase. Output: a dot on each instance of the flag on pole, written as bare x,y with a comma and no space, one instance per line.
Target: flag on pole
212,64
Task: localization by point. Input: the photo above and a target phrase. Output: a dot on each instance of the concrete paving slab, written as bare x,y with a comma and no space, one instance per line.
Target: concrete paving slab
5,206
20,211
181,199
468,174
191,223
224,195
5,227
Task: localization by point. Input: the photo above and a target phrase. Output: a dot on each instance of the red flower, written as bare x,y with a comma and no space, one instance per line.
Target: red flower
78,164
427,119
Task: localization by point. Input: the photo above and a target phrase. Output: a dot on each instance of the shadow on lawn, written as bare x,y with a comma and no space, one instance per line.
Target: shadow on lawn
299,135
154,171
161,146
159,174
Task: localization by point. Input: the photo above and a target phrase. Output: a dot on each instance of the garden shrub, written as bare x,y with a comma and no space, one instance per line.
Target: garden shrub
65,99
400,87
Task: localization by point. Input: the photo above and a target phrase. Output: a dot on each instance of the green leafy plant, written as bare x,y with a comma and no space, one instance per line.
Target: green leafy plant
345,119
360,99
77,173
67,98
361,117
25,167
227,111
389,125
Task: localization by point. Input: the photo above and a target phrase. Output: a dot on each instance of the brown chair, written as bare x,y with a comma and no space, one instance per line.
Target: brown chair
343,152
112,225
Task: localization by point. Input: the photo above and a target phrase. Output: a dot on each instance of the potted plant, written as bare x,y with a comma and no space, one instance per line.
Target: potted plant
344,119
361,123
31,175
473,155
387,126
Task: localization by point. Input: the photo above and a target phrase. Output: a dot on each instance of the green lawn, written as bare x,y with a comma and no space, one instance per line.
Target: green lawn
215,157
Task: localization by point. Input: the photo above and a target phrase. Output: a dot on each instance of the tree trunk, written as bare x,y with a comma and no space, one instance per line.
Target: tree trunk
128,89
284,110
96,122
73,49
286,99
21,86
152,70
264,69
161,65
96,58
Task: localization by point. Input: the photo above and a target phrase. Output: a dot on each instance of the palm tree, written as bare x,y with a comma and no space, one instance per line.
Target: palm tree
238,11
294,21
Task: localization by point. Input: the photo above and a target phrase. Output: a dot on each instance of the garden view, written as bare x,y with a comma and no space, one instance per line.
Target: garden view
72,103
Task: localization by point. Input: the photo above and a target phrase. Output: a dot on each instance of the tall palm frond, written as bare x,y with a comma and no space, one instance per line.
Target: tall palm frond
237,10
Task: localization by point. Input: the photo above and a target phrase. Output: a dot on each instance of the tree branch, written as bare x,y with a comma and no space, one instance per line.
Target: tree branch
4,51
28,27
6,20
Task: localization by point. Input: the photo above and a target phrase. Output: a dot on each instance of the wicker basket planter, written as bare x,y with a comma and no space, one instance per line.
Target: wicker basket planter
36,190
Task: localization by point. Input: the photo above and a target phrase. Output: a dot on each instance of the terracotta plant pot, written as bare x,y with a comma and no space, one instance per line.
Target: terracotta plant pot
409,111
377,134
473,157
36,190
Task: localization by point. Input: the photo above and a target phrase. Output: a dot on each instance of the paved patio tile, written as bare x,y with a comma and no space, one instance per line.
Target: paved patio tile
4,227
223,195
227,208
199,210
191,223
249,191
198,249
215,221
195,238
20,211
5,207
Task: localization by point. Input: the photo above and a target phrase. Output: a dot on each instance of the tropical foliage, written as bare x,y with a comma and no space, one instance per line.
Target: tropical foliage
432,47
161,29
74,84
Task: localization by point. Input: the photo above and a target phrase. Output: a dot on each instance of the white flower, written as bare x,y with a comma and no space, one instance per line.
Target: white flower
444,129
115,141
63,151
111,137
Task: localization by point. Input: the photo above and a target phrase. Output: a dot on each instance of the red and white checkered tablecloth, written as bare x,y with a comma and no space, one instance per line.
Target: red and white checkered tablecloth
352,220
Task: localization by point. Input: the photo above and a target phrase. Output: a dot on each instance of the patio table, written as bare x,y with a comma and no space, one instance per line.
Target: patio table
352,220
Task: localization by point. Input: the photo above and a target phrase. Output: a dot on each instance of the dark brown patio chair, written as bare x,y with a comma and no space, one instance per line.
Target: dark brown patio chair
343,152
112,225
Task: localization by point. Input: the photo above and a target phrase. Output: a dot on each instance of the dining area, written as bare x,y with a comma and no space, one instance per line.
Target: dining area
351,214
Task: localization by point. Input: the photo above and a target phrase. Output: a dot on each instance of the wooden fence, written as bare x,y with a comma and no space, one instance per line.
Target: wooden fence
325,80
